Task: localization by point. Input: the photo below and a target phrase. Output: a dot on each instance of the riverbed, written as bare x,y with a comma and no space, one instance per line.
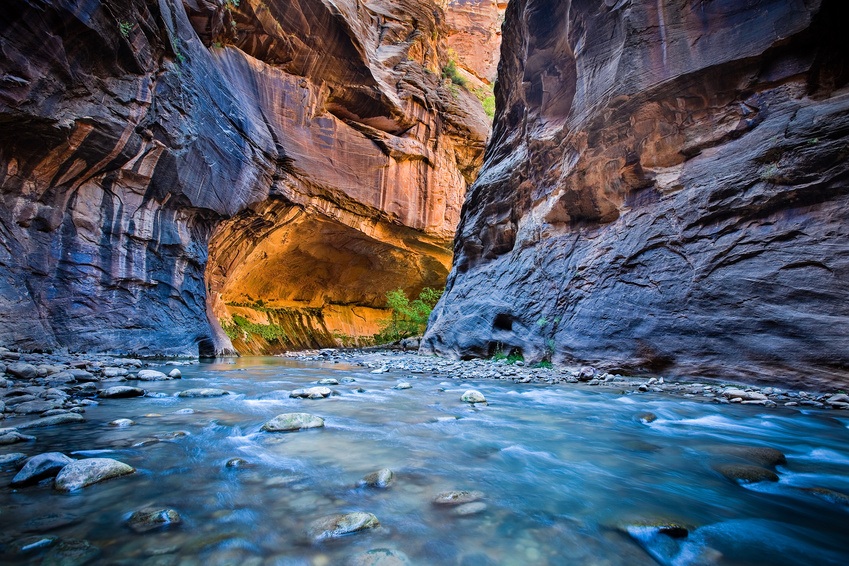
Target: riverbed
566,474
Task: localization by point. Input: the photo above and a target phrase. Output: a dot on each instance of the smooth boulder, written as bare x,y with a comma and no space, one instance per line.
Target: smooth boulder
64,418
82,473
341,524
203,392
39,467
473,396
311,393
151,375
13,437
22,370
121,392
743,473
293,421
382,478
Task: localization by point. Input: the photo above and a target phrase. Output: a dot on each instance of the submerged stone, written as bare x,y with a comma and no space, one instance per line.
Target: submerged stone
457,497
467,509
145,520
835,497
71,552
30,544
743,473
379,557
761,455
341,524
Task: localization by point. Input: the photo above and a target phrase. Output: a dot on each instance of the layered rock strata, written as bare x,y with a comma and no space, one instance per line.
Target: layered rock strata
132,134
667,190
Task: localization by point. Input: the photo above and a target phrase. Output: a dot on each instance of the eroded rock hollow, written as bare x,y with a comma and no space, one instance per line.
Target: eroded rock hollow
274,141
667,189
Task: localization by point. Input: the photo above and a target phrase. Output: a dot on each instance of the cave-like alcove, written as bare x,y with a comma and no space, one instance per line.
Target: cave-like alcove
282,277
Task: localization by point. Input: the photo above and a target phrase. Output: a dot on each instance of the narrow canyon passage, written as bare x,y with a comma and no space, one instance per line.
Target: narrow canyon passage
366,205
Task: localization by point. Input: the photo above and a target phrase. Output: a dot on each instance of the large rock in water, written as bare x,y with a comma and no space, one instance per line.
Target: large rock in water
39,467
82,473
288,422
666,189
316,139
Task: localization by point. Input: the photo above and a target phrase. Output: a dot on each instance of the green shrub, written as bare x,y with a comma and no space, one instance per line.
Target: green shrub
409,318
449,71
487,97
514,356
125,28
243,328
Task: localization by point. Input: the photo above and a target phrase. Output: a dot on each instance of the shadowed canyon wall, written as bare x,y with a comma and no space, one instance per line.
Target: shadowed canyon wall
287,134
666,190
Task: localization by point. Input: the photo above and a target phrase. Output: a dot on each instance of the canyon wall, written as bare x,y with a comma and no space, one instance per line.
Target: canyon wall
133,134
666,190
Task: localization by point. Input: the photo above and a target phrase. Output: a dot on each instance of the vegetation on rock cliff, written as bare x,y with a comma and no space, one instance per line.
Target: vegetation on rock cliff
408,317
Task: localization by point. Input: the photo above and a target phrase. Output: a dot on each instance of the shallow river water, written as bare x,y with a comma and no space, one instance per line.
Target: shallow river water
570,474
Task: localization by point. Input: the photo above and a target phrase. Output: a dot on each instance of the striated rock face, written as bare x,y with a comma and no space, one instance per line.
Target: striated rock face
667,189
474,36
134,134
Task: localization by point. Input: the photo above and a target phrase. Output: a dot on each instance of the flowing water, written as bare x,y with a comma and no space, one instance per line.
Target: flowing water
569,473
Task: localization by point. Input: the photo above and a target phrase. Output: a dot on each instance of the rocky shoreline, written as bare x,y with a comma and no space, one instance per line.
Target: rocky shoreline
725,392
53,389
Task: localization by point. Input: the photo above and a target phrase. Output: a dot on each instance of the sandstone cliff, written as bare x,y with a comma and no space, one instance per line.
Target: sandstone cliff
292,135
667,189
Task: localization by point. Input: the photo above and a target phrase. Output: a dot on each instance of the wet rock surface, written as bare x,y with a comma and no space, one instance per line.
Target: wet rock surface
293,421
145,520
340,525
743,473
382,478
82,473
616,225
39,467
205,132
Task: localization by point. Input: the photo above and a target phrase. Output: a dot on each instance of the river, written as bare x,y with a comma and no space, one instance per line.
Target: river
569,474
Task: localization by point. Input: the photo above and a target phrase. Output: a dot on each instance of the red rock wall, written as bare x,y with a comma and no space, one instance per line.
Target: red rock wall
130,131
666,190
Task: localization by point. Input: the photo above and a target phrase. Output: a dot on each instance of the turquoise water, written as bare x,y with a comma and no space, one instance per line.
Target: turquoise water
569,474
